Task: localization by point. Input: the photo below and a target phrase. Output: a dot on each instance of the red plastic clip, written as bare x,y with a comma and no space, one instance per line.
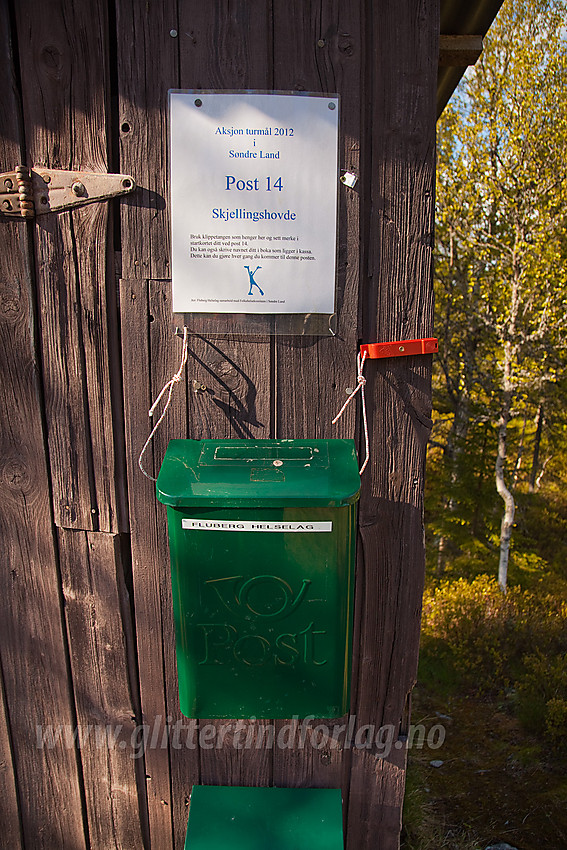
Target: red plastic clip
376,350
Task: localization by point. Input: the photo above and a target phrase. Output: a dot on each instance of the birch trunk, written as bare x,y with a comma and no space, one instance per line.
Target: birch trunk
537,444
510,357
507,497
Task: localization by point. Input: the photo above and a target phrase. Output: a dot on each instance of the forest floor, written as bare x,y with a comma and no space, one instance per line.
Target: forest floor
493,666
495,783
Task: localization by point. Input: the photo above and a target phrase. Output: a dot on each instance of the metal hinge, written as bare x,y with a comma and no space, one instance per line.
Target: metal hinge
27,193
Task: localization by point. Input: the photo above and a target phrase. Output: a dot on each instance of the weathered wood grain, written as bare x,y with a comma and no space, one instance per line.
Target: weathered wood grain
32,643
148,66
397,303
309,753
236,752
150,567
64,65
97,615
10,819
8,148
165,356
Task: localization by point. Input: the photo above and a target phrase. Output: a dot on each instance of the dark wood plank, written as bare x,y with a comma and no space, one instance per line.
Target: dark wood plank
150,568
236,752
31,639
32,644
228,388
98,618
397,303
148,66
165,350
309,753
11,830
318,47
63,56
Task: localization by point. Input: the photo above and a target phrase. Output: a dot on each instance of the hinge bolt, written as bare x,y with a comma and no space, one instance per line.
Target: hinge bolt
8,184
78,189
7,205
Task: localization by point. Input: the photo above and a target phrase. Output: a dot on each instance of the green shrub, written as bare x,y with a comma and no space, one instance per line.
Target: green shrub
489,637
556,722
542,696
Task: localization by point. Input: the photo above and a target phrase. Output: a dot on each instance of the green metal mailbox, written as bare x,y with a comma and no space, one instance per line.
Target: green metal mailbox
262,543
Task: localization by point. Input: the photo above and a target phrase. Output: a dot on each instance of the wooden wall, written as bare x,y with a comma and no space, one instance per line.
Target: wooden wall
87,339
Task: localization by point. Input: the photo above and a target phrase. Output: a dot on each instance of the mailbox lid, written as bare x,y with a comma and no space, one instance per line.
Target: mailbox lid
259,473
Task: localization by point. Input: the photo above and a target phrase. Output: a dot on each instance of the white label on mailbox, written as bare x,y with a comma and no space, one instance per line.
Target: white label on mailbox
252,525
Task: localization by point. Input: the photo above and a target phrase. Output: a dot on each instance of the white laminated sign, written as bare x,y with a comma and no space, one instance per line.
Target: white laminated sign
253,202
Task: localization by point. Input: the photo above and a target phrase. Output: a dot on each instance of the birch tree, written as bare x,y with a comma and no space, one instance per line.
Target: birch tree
502,256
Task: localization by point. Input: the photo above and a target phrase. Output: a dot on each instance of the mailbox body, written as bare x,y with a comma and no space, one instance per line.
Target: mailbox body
262,544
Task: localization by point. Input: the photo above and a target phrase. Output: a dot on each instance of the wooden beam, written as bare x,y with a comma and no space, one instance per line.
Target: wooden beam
458,51
396,303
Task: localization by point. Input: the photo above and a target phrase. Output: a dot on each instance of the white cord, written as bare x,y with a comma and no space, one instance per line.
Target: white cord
360,384
168,386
